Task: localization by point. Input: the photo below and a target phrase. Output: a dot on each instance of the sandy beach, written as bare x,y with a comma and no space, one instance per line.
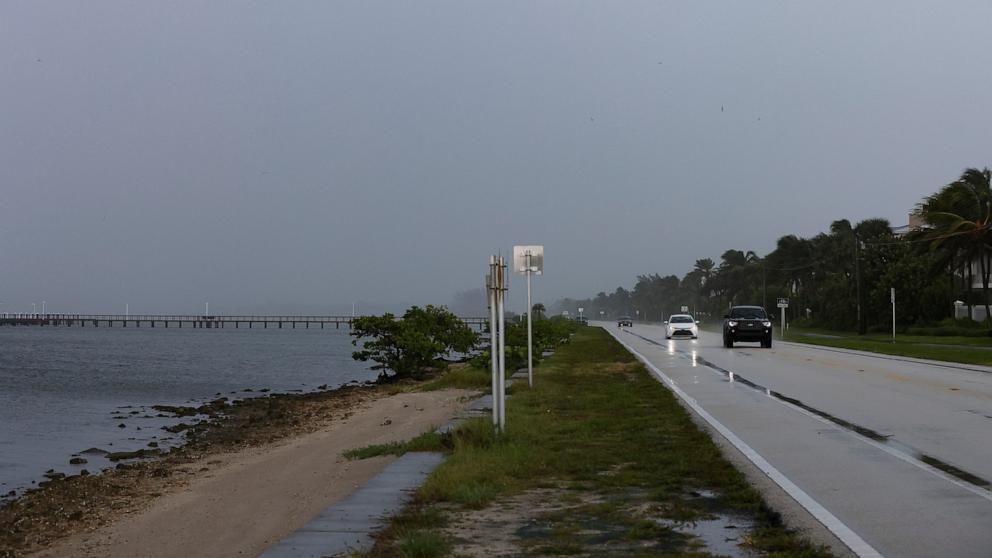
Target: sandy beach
237,503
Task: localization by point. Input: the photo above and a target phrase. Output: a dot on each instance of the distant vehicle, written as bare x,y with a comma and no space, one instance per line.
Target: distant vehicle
582,320
747,323
625,321
681,325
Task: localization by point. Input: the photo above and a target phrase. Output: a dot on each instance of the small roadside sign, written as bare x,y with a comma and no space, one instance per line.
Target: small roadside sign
783,303
685,309
532,256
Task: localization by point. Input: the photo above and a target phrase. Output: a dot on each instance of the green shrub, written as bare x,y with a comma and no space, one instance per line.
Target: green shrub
408,346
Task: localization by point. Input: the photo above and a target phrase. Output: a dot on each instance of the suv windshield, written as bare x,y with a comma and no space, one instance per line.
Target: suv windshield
748,313
681,320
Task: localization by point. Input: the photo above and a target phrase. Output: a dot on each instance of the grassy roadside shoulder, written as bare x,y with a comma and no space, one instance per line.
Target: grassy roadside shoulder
598,459
962,350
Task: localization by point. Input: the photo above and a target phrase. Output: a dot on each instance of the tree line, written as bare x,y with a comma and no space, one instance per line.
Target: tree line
840,278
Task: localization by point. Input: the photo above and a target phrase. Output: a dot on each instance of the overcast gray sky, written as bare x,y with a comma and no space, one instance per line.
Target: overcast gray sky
299,156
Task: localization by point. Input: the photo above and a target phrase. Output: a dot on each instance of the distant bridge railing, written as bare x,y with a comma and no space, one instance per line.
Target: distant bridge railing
193,320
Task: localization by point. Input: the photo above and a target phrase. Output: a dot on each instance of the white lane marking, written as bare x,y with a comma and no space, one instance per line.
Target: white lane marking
976,490
836,526
979,491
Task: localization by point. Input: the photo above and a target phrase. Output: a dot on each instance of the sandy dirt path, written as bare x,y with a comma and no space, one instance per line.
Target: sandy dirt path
246,501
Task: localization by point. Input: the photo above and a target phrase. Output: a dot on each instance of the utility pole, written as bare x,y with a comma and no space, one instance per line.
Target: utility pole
893,296
500,308
496,283
862,327
493,332
764,286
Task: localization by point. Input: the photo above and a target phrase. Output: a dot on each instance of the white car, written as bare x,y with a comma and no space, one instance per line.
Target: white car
681,325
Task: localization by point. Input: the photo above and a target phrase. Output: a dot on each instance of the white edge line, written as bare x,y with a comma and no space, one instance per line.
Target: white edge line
836,526
985,494
898,454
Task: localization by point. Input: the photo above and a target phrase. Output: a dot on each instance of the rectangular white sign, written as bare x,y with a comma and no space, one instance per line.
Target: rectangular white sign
783,303
536,254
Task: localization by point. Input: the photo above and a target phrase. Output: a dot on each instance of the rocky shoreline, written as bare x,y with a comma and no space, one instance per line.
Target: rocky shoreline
66,504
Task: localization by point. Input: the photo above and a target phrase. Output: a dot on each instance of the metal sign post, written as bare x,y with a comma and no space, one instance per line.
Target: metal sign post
783,303
500,400
529,260
493,367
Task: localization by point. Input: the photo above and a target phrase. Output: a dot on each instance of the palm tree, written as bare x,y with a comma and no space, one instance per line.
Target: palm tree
705,266
960,220
538,310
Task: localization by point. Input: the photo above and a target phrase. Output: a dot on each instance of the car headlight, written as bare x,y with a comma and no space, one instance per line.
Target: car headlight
732,324
766,324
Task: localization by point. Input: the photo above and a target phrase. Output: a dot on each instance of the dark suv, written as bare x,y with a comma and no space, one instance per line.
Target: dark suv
625,321
747,323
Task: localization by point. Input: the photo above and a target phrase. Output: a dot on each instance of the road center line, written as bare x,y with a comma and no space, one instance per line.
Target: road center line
937,467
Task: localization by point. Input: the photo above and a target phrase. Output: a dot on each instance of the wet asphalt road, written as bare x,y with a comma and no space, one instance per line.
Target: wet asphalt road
899,450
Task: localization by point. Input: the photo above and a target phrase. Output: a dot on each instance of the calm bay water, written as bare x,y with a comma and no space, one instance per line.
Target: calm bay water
64,390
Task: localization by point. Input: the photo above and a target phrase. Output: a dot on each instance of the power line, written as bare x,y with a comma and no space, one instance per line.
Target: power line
929,239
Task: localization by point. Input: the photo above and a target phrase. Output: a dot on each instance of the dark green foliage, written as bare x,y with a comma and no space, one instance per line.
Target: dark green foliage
959,219
410,345
929,268
547,334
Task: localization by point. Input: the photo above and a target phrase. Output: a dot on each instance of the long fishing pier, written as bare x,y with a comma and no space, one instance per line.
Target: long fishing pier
194,321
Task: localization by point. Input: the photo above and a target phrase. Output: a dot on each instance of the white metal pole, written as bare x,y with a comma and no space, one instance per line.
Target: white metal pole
501,373
42,306
783,322
206,309
530,331
493,333
127,311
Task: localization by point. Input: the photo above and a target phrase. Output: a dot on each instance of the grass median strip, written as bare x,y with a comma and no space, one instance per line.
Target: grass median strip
915,347
598,459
